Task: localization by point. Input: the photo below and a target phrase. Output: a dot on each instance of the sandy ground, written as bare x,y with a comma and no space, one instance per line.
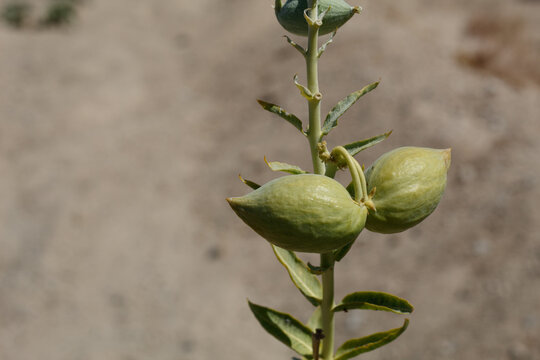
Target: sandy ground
121,135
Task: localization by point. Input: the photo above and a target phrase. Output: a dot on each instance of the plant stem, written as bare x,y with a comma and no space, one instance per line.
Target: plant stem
313,86
327,260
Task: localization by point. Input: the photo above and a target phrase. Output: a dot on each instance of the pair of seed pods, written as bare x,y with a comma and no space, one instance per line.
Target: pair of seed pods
314,213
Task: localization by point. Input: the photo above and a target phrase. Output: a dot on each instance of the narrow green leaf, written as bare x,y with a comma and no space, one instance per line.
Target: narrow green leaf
285,328
322,49
288,168
249,183
300,49
306,282
355,147
315,321
341,252
355,347
331,120
373,300
291,118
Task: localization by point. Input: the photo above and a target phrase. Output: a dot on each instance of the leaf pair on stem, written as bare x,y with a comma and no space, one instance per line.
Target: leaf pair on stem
299,337
333,116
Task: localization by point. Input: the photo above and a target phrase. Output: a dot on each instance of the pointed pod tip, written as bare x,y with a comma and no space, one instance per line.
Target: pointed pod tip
233,202
447,156
237,204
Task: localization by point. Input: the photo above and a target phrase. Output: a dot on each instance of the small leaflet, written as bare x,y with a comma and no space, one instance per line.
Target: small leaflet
281,166
300,49
331,120
284,328
355,147
355,347
322,49
303,279
249,183
303,90
373,300
290,118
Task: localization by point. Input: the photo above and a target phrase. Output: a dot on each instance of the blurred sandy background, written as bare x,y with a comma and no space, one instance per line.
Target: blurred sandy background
122,134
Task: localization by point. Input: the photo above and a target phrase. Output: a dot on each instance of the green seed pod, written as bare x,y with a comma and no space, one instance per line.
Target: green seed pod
291,15
308,213
409,183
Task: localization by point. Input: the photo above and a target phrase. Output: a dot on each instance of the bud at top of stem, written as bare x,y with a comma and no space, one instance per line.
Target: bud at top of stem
291,15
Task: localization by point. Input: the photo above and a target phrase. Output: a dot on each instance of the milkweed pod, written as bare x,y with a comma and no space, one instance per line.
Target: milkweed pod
291,15
409,183
307,213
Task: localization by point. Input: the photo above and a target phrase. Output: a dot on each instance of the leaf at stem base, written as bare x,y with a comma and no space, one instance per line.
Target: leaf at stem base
355,347
308,284
284,328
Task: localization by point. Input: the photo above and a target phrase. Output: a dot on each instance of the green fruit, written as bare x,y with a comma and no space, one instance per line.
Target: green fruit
291,15
308,213
409,183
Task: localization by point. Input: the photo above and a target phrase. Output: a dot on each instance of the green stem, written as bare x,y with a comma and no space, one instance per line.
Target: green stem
314,105
314,134
327,261
331,169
